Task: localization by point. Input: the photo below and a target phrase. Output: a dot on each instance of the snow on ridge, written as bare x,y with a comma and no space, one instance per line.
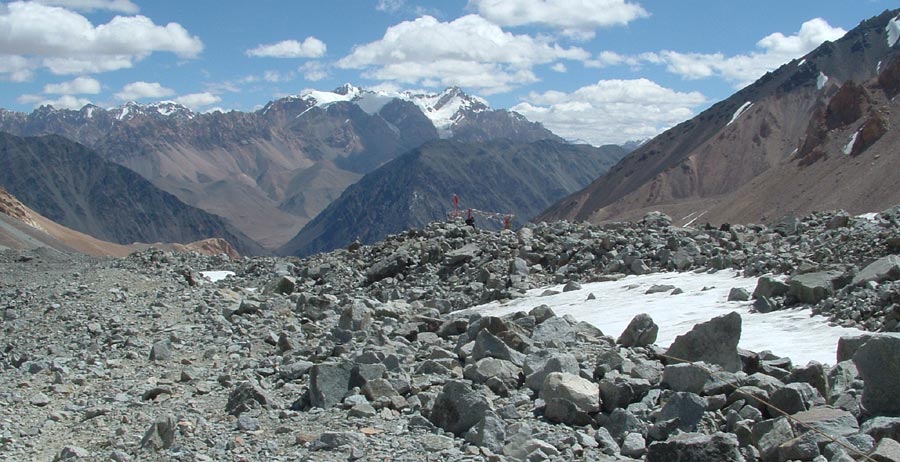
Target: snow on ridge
739,111
821,80
893,31
848,148
443,109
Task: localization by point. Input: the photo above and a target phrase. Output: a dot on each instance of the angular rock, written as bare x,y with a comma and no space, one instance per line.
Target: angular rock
814,287
634,445
887,450
688,408
161,351
160,435
556,363
641,331
769,287
334,440
886,268
737,294
878,361
714,341
689,377
504,371
826,420
487,345
489,432
581,392
355,317
247,395
769,434
792,398
458,407
696,447
328,383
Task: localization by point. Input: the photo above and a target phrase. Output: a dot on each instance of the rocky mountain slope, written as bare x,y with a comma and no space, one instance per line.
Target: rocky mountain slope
502,177
24,229
270,171
361,355
76,188
818,133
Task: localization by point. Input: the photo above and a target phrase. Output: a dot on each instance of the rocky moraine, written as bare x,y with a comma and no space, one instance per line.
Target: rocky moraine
367,353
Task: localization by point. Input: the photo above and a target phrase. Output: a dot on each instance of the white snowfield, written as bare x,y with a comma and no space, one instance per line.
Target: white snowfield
216,276
793,333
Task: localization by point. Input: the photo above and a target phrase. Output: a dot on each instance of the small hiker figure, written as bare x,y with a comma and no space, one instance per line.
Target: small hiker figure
507,222
470,220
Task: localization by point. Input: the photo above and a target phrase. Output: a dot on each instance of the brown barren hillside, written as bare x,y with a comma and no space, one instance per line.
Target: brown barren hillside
819,133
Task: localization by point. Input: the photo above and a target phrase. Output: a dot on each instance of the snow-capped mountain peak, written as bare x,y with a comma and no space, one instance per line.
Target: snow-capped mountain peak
444,109
164,109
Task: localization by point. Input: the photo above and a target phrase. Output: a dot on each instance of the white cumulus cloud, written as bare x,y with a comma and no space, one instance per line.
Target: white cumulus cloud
65,42
78,86
314,71
575,18
311,47
469,51
63,102
142,90
611,111
775,49
121,6
198,100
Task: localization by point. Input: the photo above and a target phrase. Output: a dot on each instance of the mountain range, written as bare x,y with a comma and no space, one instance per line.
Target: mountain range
270,171
496,178
818,133
72,186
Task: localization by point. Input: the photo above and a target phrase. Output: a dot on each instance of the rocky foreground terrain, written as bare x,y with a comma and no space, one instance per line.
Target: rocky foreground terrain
365,354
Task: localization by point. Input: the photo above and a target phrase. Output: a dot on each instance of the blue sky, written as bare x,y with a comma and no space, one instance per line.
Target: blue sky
595,70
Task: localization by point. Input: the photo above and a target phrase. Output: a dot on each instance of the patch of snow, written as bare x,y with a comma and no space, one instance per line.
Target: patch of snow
739,111
695,219
848,148
794,152
802,62
868,216
893,31
790,332
216,276
821,80
878,68
89,112
124,112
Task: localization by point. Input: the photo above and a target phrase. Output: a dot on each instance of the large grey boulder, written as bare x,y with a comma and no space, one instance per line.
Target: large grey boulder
328,383
356,317
887,450
792,398
563,362
696,447
641,331
878,361
688,377
768,287
814,287
488,345
620,391
714,341
769,434
688,408
504,372
458,407
826,421
583,393
884,269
